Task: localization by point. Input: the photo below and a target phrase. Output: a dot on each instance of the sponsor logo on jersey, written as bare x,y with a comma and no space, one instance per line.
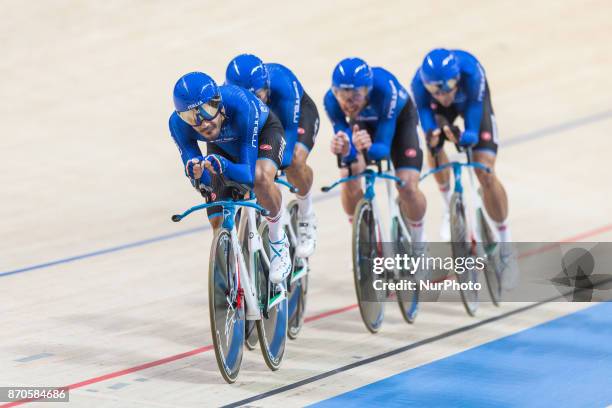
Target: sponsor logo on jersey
410,153
296,106
486,136
265,147
281,150
255,125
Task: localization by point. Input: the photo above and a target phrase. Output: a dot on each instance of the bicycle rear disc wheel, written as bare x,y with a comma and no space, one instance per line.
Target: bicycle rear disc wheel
297,290
365,248
226,306
461,248
272,328
407,300
492,253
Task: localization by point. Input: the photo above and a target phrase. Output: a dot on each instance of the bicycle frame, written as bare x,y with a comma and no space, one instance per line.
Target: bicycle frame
255,244
370,176
286,224
475,202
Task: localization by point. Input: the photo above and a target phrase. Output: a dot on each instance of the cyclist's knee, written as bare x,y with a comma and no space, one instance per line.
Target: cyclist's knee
487,180
265,172
352,187
216,221
300,155
298,164
409,190
410,180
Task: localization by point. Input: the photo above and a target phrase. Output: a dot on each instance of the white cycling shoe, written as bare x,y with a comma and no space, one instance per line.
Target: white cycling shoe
445,233
280,262
307,236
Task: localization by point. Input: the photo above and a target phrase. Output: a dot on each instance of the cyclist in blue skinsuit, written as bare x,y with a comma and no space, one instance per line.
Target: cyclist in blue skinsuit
277,86
234,124
370,110
452,83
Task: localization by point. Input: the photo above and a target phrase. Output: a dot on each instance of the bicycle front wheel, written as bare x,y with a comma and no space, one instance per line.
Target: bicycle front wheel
492,268
272,328
297,282
250,336
366,247
226,306
408,300
462,248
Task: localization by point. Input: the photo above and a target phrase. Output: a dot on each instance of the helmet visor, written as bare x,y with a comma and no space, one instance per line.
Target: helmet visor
205,112
354,95
442,87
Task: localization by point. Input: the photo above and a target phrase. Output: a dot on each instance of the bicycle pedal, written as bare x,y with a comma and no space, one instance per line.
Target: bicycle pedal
276,299
299,272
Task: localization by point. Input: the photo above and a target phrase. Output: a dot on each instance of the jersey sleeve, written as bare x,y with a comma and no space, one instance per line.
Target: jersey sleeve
288,110
422,100
476,85
244,171
188,146
387,123
339,123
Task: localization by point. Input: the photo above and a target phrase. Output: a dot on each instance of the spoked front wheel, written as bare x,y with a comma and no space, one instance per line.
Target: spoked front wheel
408,300
272,328
491,250
297,282
226,305
463,248
366,247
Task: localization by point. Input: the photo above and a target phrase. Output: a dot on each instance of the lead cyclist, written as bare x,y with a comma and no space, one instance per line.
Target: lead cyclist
234,124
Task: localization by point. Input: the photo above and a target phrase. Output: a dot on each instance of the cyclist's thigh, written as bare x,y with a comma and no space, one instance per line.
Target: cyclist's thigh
488,140
272,141
309,123
219,191
406,151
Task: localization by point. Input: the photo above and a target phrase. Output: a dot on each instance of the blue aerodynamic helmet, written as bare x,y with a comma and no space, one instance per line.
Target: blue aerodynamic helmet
196,98
247,71
352,73
440,70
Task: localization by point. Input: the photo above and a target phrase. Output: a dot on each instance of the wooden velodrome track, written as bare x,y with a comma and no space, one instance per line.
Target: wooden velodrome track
100,291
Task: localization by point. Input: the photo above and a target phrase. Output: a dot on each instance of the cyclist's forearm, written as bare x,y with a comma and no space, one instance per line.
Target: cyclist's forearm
240,173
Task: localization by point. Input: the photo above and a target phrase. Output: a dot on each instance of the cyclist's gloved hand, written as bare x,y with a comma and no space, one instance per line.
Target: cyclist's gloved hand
215,163
468,138
193,168
378,151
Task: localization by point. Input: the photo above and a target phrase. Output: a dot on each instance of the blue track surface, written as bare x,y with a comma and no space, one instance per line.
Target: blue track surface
566,362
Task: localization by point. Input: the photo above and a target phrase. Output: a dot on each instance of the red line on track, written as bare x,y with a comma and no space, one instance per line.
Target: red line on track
319,316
